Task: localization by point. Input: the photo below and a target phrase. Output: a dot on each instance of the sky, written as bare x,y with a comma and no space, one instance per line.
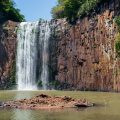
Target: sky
35,9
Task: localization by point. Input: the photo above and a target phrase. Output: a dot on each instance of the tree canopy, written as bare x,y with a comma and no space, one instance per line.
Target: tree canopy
7,8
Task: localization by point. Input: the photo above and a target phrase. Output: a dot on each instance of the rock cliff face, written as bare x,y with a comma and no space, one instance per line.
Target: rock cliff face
83,56
7,54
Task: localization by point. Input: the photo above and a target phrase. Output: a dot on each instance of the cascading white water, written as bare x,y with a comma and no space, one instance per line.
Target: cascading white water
26,56
29,35
44,39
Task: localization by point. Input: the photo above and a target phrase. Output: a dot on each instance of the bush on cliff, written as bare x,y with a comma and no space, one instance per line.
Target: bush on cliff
117,21
117,45
8,10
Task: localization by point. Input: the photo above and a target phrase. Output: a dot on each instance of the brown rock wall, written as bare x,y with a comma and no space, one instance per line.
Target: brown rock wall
7,53
86,57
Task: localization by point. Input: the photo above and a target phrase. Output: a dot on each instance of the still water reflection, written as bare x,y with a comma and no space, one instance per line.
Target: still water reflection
108,109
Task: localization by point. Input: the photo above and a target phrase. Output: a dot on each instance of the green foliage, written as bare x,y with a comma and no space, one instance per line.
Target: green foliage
54,83
66,8
58,11
117,47
87,7
39,83
74,9
117,20
10,12
117,42
71,9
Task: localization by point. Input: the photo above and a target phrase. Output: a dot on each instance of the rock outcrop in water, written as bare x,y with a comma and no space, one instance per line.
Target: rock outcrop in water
43,101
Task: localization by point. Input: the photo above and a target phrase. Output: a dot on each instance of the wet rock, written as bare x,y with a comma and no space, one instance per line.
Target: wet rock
43,96
84,104
1,104
66,98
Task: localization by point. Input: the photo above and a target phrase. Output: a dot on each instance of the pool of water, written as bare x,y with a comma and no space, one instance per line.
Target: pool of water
108,107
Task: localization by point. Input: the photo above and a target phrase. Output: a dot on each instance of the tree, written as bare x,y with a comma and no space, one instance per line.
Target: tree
58,12
7,7
71,9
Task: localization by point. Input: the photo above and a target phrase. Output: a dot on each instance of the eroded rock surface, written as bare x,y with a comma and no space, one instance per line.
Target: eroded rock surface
7,54
43,101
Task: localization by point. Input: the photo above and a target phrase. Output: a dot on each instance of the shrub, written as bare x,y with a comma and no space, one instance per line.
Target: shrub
117,42
117,20
87,7
117,45
58,12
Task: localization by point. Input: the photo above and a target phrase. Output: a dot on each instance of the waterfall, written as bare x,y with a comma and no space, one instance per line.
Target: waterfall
44,39
32,37
26,56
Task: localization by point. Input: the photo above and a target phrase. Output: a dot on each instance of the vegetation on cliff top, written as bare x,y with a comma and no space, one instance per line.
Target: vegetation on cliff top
8,10
74,9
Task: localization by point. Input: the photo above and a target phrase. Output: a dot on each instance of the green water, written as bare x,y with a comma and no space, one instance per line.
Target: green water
108,107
